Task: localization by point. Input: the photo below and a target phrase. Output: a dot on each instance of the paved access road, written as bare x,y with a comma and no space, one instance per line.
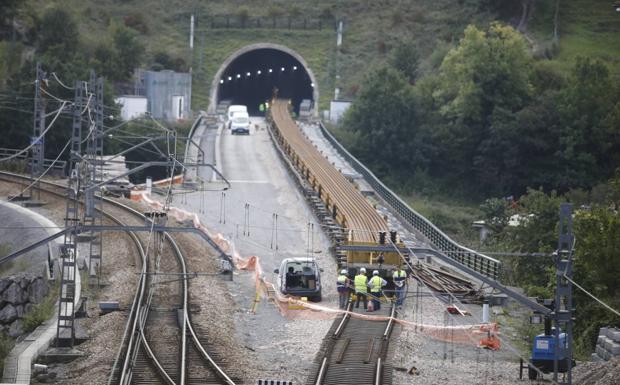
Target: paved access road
283,348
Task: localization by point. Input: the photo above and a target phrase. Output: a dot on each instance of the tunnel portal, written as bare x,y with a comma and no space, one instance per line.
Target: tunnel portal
251,77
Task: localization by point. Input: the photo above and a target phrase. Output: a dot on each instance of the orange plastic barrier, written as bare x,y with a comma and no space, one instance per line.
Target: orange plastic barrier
483,335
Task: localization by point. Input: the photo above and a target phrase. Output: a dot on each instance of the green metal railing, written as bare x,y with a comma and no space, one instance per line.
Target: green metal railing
481,263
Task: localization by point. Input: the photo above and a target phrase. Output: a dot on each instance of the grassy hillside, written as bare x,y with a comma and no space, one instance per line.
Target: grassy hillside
372,29
218,44
585,28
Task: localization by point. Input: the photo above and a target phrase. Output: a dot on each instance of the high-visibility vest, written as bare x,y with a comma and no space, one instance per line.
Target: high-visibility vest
261,107
375,282
360,283
342,280
399,277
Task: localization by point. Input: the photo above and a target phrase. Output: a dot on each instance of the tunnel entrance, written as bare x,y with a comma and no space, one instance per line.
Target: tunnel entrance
250,75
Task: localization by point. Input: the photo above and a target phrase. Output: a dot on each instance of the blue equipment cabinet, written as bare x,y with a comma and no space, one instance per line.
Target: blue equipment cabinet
543,354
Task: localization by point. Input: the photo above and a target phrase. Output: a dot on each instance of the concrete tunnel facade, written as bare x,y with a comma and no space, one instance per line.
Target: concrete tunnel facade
249,75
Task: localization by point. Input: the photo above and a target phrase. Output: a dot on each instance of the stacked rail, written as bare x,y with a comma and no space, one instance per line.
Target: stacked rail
355,351
479,262
345,203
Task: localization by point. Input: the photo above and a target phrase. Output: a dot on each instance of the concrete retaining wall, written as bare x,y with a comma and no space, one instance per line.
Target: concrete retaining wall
18,295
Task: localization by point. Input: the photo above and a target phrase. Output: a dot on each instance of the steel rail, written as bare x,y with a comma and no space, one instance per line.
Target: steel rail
133,315
345,318
351,208
478,261
126,366
322,371
142,314
135,311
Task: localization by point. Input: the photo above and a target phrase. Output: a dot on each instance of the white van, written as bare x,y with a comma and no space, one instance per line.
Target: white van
240,123
232,110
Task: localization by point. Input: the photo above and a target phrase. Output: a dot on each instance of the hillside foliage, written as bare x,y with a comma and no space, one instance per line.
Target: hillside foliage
490,119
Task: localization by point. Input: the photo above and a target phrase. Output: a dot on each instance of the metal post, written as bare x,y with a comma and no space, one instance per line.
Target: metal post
338,46
94,157
563,312
191,33
65,331
38,150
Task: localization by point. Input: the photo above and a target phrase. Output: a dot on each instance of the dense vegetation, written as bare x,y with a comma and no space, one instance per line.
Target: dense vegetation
442,109
58,46
490,120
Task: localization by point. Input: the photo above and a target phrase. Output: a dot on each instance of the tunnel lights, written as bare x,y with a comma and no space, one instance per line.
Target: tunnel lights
258,72
221,81
282,69
312,85
294,68
247,74
229,78
238,76
270,70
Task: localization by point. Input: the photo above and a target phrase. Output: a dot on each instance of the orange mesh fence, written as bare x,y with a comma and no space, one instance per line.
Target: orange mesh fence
484,335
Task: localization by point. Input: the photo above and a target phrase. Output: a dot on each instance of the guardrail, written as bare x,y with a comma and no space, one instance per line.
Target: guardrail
58,167
481,263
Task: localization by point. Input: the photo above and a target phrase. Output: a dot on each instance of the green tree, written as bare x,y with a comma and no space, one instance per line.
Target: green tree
405,58
58,31
487,70
597,267
128,51
383,119
480,85
537,217
590,108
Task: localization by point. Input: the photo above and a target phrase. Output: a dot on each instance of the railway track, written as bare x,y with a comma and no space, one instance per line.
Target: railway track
355,351
159,335
346,204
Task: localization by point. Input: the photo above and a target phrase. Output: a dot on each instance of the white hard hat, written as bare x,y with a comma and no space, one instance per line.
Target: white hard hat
376,272
363,270
344,271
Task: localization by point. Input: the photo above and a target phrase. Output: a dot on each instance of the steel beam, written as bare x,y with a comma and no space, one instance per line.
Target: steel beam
34,245
83,228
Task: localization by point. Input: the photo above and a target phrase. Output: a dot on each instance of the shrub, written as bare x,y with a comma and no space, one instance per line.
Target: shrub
40,313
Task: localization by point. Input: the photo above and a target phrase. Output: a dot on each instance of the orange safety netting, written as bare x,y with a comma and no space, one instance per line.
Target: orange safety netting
483,335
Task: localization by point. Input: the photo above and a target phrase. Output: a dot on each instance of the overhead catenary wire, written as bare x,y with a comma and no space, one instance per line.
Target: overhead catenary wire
510,347
37,139
592,296
60,82
44,172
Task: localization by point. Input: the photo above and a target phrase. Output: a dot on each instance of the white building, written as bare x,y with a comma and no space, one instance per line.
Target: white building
337,108
132,106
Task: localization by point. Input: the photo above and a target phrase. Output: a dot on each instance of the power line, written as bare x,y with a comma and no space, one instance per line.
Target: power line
34,142
592,296
44,172
511,348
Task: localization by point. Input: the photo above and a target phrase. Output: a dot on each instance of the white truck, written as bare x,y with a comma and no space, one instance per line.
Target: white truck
240,123
233,110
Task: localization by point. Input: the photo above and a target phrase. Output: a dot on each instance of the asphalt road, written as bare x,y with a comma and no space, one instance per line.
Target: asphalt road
261,188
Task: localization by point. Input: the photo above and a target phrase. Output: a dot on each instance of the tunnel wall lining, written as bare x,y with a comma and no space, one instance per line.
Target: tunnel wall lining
216,79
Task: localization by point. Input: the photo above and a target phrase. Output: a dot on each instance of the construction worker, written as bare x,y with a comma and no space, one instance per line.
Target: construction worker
361,289
342,284
400,279
376,283
261,108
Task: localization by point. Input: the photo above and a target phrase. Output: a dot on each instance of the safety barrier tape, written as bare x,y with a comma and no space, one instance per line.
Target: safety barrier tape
453,333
